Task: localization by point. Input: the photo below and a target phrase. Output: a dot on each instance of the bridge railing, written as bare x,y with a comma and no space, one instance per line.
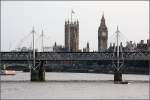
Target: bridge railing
25,56
74,56
16,55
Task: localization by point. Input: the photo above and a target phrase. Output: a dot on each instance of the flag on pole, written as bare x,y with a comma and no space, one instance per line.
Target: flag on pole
72,12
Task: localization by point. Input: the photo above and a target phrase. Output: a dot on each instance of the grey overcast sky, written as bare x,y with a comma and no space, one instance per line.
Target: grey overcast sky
18,17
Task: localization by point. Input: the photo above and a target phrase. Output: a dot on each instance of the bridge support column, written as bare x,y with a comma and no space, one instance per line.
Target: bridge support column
34,75
117,76
38,74
149,66
42,72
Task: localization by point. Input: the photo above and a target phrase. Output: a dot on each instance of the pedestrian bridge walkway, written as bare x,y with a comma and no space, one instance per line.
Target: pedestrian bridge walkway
52,56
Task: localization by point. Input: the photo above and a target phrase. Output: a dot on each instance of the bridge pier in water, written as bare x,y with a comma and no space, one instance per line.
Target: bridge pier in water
38,74
117,76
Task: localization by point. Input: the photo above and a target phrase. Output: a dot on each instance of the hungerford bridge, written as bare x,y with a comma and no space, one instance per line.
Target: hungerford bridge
25,57
38,71
39,59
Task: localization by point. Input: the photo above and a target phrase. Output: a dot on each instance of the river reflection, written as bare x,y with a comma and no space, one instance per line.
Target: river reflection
74,86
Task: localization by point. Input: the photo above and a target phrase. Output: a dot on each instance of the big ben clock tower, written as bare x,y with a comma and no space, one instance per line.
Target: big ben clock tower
102,35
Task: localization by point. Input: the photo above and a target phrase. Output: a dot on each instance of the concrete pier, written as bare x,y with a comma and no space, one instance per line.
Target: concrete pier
42,72
38,74
117,76
34,75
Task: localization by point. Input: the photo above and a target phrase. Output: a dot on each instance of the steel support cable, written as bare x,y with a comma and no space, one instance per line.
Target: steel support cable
36,41
23,39
111,38
122,59
121,34
35,67
122,38
45,41
28,58
46,37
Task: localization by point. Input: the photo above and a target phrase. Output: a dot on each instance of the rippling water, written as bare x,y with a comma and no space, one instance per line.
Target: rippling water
74,86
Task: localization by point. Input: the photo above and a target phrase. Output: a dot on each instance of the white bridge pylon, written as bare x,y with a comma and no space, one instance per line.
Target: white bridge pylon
41,40
117,60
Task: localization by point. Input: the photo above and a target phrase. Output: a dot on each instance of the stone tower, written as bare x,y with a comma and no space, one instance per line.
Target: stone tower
67,35
72,36
102,35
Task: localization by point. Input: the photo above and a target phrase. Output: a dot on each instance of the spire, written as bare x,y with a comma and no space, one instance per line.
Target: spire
42,35
117,31
117,28
102,21
103,16
42,32
65,22
33,30
87,45
55,44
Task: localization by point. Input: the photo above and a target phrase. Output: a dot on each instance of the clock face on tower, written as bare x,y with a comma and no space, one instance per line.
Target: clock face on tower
103,34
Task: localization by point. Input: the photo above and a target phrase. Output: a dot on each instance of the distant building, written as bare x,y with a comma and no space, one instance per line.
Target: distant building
102,35
130,47
72,36
24,49
142,46
58,48
48,49
111,48
148,44
87,49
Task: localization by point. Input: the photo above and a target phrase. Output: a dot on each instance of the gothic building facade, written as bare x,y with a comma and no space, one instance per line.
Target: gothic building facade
102,35
72,36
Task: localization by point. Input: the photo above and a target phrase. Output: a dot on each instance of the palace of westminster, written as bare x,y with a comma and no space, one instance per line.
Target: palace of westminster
72,40
72,36
71,29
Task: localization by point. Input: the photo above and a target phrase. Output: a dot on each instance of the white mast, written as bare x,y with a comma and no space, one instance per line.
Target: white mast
33,32
0,53
0,44
149,35
117,35
42,41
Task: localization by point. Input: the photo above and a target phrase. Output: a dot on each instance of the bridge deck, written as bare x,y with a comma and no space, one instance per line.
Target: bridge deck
56,56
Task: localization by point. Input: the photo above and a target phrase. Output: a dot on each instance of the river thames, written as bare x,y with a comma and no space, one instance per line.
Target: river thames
74,86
